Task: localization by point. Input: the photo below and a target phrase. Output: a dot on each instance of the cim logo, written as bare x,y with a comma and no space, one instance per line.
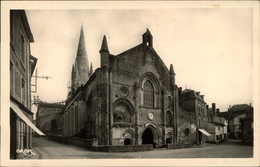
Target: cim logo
26,152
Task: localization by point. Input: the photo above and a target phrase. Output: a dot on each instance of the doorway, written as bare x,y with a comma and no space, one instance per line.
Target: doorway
199,137
127,142
148,137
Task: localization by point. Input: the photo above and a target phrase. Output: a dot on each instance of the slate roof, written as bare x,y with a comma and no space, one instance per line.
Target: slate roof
190,94
216,123
223,114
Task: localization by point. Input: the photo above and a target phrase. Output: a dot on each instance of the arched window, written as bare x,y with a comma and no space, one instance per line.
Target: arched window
169,118
169,101
148,94
150,90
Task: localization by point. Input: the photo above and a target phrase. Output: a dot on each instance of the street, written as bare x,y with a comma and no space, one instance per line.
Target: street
48,149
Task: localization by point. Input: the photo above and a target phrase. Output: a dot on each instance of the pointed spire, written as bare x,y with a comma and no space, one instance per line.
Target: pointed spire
171,70
72,75
91,70
104,47
81,67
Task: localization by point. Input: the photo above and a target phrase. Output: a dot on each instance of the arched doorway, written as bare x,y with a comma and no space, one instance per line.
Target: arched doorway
148,138
127,142
168,138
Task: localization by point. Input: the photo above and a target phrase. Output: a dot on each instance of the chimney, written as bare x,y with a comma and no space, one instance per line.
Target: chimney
202,97
213,108
217,112
180,91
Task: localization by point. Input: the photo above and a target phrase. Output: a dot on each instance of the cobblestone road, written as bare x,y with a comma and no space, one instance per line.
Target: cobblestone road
47,149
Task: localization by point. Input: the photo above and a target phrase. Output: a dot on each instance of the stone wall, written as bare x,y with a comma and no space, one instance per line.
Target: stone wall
247,131
90,144
186,134
129,148
211,130
178,146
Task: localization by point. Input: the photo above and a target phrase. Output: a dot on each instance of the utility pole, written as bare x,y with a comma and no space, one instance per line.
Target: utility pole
36,77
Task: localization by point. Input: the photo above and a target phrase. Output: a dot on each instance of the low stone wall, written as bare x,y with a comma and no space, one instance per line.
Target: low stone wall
91,144
178,146
86,143
59,139
124,148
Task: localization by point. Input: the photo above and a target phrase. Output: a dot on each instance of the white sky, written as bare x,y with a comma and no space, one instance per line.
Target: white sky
211,49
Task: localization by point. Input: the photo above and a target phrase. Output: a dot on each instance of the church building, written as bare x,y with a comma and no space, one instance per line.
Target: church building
131,99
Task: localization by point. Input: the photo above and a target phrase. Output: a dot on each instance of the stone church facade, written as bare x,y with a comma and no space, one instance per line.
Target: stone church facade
132,99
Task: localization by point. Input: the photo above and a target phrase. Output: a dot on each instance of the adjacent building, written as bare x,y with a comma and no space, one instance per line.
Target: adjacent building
49,118
234,114
130,100
22,65
193,103
247,128
216,125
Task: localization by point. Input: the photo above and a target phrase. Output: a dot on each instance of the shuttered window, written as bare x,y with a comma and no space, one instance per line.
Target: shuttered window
17,84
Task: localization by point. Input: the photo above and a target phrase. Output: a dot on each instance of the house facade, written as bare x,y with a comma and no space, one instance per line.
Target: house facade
22,65
247,128
235,114
216,126
193,102
130,100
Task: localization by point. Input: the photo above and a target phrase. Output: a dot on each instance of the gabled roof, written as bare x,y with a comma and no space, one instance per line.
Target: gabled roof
223,114
51,105
229,115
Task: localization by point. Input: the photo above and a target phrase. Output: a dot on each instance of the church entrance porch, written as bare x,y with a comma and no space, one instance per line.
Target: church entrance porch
148,137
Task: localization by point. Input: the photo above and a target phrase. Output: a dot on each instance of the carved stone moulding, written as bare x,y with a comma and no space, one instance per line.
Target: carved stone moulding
124,91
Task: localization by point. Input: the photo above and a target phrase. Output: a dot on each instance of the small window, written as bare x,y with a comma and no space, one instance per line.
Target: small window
198,109
17,84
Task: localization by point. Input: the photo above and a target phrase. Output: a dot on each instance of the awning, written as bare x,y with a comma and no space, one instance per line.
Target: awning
205,132
18,111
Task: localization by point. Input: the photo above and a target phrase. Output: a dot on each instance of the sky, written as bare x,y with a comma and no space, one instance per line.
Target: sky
211,49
